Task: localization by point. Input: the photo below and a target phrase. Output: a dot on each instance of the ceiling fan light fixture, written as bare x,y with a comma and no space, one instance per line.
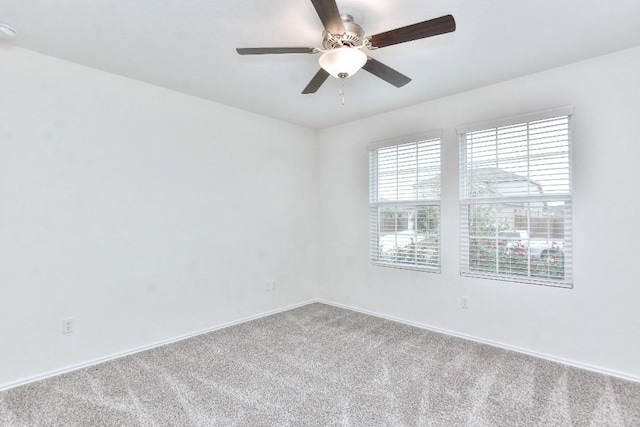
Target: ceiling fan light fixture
6,32
343,62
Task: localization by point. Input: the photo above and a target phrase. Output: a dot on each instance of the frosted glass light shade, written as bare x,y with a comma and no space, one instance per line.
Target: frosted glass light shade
6,32
341,61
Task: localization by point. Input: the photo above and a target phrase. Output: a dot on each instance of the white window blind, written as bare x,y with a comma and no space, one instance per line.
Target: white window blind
404,179
515,200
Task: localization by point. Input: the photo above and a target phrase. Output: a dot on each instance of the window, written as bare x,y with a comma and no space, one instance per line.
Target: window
404,182
515,199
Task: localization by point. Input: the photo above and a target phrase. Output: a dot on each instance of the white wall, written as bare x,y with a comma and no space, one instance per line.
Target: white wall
595,324
147,214
143,213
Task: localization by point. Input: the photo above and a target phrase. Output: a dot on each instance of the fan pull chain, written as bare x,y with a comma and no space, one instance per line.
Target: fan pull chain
341,91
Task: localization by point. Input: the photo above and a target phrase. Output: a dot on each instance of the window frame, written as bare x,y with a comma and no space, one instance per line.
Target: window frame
497,202
375,204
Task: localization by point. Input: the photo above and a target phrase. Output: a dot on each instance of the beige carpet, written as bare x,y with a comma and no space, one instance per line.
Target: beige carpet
323,366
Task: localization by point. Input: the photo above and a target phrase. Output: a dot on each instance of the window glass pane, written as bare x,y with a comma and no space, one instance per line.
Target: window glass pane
407,172
521,239
408,235
526,159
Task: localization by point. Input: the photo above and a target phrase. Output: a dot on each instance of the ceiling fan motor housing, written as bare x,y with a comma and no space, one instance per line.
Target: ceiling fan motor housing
352,36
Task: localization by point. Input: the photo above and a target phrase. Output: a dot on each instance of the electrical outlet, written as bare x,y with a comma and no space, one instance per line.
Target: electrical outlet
269,286
68,325
465,302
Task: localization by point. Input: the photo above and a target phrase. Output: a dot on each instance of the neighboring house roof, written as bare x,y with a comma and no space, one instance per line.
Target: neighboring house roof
484,176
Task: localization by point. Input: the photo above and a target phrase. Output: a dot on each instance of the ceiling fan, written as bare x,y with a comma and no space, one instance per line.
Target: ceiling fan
343,41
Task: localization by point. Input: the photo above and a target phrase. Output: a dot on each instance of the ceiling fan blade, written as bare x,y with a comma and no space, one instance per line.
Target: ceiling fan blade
329,15
273,50
433,27
316,82
386,73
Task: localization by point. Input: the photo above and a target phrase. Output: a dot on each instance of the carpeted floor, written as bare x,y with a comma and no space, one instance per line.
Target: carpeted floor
320,365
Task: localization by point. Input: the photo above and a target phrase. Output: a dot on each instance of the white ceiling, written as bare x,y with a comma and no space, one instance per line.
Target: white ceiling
189,46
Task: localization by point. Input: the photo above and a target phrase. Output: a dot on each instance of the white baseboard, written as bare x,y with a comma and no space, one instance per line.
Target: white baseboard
575,364
55,372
